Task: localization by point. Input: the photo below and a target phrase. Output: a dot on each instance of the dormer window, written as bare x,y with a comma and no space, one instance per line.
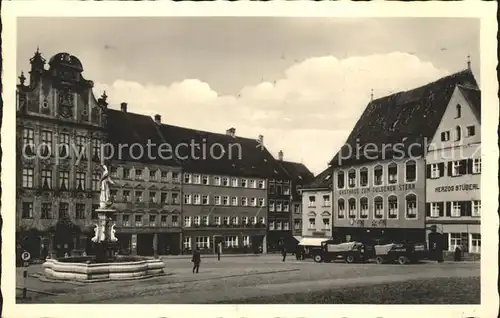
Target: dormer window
458,111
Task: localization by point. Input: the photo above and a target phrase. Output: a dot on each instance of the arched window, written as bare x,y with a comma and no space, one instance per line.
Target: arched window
411,206
378,204
378,175
458,133
340,180
341,209
410,171
363,205
392,173
352,178
363,177
393,207
459,111
352,208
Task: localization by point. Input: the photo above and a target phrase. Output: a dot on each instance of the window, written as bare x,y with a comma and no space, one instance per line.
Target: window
93,213
187,178
63,210
244,220
459,111
455,241
271,205
204,199
152,220
378,203
152,175
476,208
64,180
312,223
96,149
139,174
46,149
234,220
114,172
46,179
456,208
225,181
475,243
286,190
253,220
202,242
225,220
262,184
253,201
363,177
175,198
217,200
234,182
217,220
411,171
112,194
352,208
435,209
126,196
196,199
278,206
458,133
476,166
352,178
28,141
64,145
126,173
435,173
445,136
225,200
411,206
96,182
392,173
262,220
187,198
80,181
204,220
152,197
459,168
196,220
186,242
393,207
138,196
187,221
175,177
296,208
231,241
341,209
163,221
138,220
253,184
326,200
175,220
340,180
297,225
286,206
471,131
28,178
261,202
217,181
312,201
46,208
326,223
378,175
246,241
80,211
244,183
363,205
126,220
205,180
197,179
244,201
164,176
27,210
272,189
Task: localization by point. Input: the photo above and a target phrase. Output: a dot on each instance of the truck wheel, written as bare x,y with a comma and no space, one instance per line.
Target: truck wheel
379,260
318,258
349,259
402,260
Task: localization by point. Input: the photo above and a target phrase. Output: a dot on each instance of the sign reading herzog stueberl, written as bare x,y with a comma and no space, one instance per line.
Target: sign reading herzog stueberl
391,188
460,187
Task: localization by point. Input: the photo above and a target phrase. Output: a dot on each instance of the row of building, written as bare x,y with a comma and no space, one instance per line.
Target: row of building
168,200
409,171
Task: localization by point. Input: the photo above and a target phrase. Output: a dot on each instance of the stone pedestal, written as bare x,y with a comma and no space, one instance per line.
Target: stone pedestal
106,242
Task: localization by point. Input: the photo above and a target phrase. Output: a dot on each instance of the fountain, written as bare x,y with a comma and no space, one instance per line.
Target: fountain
106,264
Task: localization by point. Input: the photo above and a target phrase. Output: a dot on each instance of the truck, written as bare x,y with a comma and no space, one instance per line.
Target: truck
401,253
350,252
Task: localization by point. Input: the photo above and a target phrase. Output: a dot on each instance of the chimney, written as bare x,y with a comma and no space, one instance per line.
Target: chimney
280,155
158,119
124,107
231,132
260,140
468,62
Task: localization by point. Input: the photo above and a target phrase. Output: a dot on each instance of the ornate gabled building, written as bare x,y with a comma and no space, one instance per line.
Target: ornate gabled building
60,129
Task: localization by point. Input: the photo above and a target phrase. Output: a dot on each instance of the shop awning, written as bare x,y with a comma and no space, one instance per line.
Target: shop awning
312,241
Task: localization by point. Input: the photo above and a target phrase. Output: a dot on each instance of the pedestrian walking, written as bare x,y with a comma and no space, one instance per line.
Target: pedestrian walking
283,253
458,254
196,259
219,247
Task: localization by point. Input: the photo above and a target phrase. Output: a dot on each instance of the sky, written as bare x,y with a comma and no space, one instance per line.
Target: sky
302,83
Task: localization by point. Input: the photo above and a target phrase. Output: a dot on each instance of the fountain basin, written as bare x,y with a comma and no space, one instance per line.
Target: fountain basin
85,269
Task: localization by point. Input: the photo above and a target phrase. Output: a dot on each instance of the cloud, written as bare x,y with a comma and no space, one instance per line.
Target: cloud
308,113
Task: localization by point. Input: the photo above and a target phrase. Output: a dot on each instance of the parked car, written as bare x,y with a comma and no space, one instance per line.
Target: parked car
403,253
311,245
351,252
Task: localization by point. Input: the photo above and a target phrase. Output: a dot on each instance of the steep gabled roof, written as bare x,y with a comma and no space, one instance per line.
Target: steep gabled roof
298,172
321,181
406,117
241,156
473,97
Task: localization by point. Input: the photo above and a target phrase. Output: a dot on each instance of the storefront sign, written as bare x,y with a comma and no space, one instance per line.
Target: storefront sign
460,187
391,188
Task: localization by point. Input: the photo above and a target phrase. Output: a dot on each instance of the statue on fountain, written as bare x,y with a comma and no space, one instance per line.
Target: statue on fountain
106,181
105,206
